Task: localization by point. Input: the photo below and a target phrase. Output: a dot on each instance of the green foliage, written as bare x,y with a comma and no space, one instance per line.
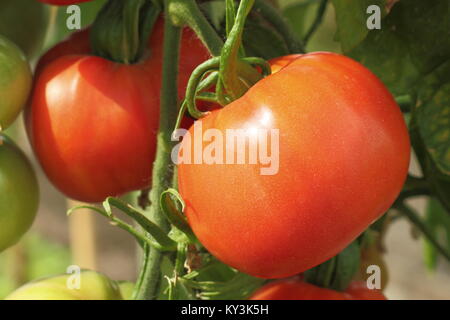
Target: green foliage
260,38
412,42
307,21
351,20
89,11
38,257
24,22
411,55
337,272
438,222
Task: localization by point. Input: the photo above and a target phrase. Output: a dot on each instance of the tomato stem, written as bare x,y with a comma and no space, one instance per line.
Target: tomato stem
163,166
424,229
273,16
230,63
187,12
317,20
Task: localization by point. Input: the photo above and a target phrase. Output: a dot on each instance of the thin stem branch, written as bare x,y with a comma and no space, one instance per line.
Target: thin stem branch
317,21
163,167
417,221
272,15
414,187
187,12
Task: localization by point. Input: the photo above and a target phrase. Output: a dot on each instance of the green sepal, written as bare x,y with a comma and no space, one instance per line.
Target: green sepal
337,272
120,31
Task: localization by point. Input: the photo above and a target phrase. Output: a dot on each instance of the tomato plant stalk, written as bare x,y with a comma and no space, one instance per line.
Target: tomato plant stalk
148,285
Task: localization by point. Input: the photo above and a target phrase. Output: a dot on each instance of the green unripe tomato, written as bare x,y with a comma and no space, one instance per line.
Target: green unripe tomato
126,289
25,23
92,286
19,193
15,82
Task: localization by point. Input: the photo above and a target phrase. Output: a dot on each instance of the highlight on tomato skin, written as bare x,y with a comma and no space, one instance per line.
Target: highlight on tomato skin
340,130
295,289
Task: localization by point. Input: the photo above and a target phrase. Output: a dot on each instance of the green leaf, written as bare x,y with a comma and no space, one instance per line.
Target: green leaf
173,206
438,221
412,42
238,288
261,40
432,114
351,18
347,265
298,14
151,228
215,12
438,182
337,272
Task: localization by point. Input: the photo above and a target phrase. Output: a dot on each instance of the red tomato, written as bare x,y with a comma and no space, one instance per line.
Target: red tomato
358,291
93,122
343,157
299,290
279,63
63,2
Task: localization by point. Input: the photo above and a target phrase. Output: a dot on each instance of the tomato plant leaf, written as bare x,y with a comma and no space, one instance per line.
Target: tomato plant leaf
259,39
438,222
351,17
172,205
155,231
412,42
337,272
347,264
432,114
89,11
215,11
299,15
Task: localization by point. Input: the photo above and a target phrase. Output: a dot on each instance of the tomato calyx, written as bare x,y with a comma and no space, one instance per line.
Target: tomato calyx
231,73
337,272
121,30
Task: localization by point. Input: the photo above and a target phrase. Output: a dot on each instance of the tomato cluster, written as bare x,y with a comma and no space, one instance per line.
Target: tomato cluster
18,185
337,138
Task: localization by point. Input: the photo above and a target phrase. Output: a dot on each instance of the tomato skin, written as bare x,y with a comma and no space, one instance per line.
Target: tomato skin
93,286
344,154
19,193
299,290
93,122
279,63
15,82
126,289
63,2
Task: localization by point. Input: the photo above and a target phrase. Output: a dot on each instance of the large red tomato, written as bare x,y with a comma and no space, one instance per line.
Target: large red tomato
299,290
343,156
93,122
